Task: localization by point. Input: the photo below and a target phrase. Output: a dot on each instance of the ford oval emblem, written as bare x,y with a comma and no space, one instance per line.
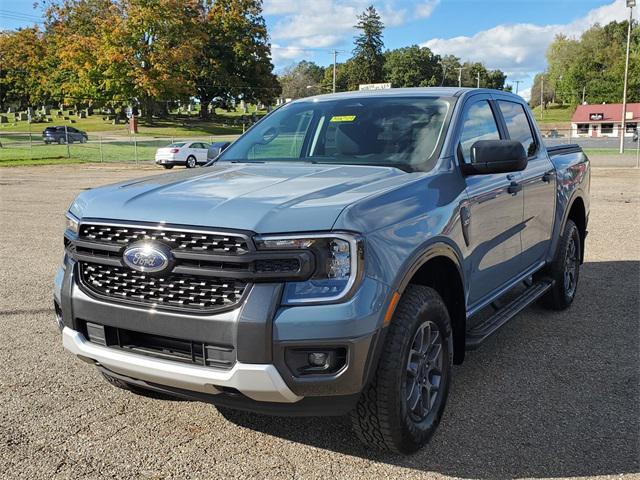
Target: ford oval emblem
147,257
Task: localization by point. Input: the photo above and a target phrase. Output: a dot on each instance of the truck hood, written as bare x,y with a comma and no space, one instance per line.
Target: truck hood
264,198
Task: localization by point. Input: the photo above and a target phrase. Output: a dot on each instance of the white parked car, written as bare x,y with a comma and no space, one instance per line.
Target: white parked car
189,154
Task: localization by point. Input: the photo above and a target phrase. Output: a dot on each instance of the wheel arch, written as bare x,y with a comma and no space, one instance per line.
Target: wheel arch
440,268
578,214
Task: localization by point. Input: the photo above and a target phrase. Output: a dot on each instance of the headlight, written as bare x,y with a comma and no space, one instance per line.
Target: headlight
72,224
338,265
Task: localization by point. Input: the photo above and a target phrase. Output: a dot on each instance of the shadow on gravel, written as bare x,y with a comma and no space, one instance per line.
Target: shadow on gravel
555,394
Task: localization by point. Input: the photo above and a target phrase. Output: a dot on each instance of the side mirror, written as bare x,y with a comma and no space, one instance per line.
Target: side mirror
495,156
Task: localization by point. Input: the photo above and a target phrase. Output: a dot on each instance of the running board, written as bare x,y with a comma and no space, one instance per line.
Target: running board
491,325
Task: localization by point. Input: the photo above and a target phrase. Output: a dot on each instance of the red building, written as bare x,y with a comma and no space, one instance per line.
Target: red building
604,120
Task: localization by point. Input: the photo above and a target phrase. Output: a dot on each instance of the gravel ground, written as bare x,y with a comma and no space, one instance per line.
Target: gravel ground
551,395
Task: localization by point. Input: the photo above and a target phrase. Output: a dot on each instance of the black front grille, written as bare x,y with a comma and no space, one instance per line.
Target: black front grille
168,291
176,239
208,270
168,348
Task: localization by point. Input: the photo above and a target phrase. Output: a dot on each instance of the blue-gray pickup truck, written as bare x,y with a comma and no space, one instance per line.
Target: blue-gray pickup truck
338,258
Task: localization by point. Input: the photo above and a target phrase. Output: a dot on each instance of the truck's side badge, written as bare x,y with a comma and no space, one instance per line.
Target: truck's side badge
465,220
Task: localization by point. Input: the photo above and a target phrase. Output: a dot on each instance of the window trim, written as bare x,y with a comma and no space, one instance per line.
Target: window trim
467,106
534,135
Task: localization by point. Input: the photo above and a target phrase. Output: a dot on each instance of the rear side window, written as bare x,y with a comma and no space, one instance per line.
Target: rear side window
518,126
479,124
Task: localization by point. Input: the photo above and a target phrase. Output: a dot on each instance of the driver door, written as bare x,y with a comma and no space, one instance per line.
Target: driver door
494,213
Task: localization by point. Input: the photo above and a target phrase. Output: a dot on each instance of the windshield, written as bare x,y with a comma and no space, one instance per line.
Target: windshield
176,145
393,131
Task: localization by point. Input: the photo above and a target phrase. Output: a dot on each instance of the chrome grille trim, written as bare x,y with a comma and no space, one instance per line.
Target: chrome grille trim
240,266
172,291
177,238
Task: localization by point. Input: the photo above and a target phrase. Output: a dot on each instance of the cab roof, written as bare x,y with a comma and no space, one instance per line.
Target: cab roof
405,92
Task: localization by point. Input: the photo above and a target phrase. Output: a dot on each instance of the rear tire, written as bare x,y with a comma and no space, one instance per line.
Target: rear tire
565,270
191,161
388,416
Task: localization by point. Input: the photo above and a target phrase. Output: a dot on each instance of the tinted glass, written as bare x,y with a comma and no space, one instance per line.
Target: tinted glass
479,124
402,132
518,125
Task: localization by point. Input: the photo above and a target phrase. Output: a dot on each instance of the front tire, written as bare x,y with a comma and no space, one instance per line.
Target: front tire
191,161
402,406
565,270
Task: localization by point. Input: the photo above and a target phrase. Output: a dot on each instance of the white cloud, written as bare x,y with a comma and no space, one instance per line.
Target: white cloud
327,23
519,49
426,8
525,93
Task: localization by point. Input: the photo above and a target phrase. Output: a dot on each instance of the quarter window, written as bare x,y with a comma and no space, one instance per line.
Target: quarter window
479,124
518,126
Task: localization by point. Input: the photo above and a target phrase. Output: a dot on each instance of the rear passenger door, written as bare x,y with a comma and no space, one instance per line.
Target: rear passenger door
200,152
494,214
538,181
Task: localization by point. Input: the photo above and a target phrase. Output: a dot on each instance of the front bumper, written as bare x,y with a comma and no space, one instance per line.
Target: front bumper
259,332
262,383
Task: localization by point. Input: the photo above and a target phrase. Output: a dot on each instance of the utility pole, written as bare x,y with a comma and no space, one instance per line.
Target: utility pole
517,82
335,55
541,97
630,4
478,77
460,76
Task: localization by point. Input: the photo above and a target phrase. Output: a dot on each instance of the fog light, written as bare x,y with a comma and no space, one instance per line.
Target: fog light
317,359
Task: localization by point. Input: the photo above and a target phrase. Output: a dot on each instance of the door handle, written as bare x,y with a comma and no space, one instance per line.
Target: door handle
514,188
546,178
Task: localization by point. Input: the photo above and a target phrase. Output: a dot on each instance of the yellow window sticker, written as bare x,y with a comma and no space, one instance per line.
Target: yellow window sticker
343,118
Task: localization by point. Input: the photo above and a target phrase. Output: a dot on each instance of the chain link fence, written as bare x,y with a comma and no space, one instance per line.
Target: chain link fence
98,147
119,147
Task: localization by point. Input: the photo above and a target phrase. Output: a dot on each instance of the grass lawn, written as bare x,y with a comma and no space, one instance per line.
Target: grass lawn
554,114
173,126
16,149
594,152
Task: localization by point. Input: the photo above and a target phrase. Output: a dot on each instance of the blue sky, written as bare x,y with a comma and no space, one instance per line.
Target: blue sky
508,34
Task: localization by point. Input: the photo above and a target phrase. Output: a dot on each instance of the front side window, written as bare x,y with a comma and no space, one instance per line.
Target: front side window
518,125
479,124
385,131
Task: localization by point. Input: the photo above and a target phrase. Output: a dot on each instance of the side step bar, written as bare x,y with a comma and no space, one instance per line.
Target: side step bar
491,325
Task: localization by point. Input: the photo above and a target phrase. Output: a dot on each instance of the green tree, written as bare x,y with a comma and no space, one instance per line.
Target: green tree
235,62
343,74
412,66
536,89
494,79
368,59
21,68
594,64
148,50
302,79
75,74
449,66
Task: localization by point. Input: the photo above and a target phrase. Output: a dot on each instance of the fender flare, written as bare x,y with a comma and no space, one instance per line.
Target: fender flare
437,248
577,194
